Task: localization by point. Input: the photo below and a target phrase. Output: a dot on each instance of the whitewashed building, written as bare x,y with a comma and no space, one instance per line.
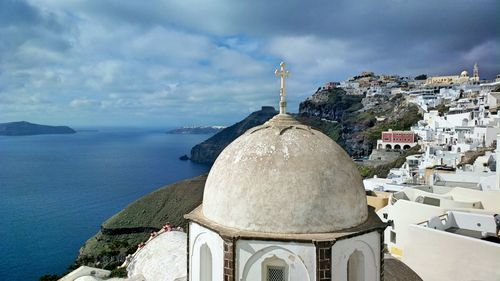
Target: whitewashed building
415,205
454,246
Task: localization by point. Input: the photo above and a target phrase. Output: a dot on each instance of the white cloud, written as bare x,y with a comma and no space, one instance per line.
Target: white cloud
182,61
83,102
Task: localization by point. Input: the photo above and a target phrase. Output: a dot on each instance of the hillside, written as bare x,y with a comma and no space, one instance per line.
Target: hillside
23,128
352,120
207,151
121,233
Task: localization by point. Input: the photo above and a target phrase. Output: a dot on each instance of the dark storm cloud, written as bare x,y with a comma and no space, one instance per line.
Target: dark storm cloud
23,25
435,32
152,61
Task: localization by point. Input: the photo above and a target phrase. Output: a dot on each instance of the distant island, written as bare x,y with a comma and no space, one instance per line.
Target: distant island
23,128
197,130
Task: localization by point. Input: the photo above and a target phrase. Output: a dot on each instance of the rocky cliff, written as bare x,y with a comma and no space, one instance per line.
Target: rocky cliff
23,128
352,120
207,151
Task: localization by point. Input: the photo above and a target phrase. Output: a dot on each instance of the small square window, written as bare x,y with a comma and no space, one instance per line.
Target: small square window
275,273
393,237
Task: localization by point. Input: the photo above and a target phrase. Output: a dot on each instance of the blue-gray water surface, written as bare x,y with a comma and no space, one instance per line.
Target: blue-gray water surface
56,190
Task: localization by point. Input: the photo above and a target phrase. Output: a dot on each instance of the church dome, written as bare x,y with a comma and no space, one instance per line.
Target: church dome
464,73
284,177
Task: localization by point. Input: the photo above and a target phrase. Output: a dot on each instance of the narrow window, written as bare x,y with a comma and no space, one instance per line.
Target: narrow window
205,263
356,267
393,237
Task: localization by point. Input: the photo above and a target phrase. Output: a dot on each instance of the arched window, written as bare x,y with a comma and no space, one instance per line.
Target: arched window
356,266
274,269
406,147
205,263
388,146
397,147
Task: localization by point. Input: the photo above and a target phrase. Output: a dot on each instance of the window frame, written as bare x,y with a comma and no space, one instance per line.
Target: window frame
276,262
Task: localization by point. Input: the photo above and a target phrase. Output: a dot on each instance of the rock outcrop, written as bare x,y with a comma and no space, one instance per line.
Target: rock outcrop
23,128
352,120
331,105
207,151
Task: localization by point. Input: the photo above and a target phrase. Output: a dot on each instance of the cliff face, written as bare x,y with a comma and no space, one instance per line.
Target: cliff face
351,120
332,105
207,151
24,128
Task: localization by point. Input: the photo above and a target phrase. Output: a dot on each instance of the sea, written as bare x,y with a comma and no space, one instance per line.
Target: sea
56,190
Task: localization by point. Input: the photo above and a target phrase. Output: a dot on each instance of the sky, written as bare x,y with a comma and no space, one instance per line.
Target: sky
164,63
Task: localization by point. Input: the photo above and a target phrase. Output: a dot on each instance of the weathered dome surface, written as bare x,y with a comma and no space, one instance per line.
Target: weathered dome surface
284,177
163,258
464,73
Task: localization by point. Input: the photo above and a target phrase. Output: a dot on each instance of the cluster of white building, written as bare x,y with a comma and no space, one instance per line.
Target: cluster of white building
441,202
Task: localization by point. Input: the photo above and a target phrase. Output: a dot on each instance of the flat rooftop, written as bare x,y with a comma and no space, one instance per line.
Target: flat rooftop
473,234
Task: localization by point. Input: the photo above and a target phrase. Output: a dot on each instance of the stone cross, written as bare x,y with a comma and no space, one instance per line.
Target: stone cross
283,74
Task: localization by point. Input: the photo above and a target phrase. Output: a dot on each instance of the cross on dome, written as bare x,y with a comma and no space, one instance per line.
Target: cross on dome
283,74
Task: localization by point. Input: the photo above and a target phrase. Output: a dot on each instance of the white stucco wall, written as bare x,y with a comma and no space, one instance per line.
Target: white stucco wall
198,236
437,255
300,258
471,221
368,244
489,199
404,213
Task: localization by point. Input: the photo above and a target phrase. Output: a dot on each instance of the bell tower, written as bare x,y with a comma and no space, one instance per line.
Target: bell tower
475,76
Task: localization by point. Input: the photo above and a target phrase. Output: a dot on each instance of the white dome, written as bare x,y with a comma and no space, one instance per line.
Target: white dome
464,73
284,177
163,258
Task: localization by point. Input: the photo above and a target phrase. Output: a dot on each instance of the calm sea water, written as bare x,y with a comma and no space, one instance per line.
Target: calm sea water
56,190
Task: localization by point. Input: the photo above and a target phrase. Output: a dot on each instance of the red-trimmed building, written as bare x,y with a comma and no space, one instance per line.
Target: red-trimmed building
397,140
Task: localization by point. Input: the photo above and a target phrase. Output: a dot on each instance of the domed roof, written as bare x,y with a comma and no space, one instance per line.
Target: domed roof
162,258
284,177
464,73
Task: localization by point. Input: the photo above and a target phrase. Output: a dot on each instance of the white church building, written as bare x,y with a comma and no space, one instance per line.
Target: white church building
284,202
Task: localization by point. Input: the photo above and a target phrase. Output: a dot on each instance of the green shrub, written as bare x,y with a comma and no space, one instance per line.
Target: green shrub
119,272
